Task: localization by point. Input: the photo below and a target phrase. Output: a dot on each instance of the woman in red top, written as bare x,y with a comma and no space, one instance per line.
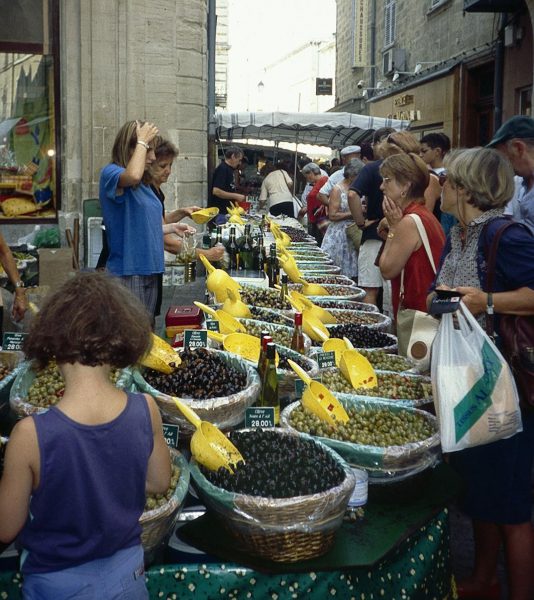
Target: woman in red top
405,179
314,208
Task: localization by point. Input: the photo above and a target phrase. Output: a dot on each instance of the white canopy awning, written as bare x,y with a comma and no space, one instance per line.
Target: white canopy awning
335,130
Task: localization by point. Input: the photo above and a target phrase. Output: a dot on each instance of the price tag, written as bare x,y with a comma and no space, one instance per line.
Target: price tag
300,385
212,325
195,338
326,360
259,417
170,433
13,341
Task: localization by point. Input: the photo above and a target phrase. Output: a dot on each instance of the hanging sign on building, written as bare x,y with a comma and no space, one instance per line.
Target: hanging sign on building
323,86
361,20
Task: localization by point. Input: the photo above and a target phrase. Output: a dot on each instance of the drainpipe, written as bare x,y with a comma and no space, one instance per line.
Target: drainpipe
372,31
212,28
499,75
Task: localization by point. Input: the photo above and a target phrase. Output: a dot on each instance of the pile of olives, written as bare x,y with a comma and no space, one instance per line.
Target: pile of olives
387,362
361,336
48,386
157,500
262,314
279,334
333,290
4,371
285,366
277,466
358,318
330,279
346,304
390,385
201,374
369,426
296,235
266,297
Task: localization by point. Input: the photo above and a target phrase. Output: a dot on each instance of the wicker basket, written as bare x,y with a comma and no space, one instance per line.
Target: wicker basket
12,360
286,379
280,529
158,523
23,380
224,411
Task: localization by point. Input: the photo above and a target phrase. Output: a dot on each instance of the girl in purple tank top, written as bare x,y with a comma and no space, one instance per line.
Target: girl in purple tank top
75,476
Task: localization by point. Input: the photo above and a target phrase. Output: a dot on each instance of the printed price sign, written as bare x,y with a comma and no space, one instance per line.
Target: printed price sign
170,433
13,341
195,338
212,325
326,360
259,417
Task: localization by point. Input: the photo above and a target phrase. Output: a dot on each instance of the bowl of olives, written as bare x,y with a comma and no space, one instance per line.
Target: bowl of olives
287,377
328,303
330,279
35,390
364,337
162,510
288,498
387,440
310,270
374,320
265,298
9,364
217,385
281,334
268,315
343,292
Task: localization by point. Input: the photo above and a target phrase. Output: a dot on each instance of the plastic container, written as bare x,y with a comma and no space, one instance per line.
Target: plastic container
180,318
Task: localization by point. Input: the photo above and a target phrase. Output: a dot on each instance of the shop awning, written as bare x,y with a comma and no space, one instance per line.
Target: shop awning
331,129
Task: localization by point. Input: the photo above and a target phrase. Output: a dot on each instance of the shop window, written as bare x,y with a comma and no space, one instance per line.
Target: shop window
29,182
389,22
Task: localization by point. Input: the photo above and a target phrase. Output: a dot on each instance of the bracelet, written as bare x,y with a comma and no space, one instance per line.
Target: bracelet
489,304
143,144
19,284
390,234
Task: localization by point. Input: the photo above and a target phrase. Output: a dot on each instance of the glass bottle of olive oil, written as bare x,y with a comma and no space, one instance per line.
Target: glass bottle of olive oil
269,387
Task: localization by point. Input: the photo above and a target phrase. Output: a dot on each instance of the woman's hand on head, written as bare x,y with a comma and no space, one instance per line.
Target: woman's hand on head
146,132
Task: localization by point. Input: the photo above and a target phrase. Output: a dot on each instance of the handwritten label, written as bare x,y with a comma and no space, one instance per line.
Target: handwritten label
259,417
195,338
212,325
13,341
170,433
326,360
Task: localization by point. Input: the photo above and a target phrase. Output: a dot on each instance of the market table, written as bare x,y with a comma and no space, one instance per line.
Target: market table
399,550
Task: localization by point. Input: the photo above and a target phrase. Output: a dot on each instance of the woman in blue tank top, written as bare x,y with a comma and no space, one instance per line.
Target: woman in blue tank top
75,476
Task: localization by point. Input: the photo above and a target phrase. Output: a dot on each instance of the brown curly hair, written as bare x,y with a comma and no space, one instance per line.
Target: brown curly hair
93,320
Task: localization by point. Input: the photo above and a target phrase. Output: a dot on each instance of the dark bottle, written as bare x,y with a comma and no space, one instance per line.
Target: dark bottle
233,251
206,240
297,341
269,385
258,253
284,291
272,269
246,253
262,360
218,238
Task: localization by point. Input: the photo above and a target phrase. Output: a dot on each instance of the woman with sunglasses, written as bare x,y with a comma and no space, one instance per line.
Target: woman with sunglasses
404,181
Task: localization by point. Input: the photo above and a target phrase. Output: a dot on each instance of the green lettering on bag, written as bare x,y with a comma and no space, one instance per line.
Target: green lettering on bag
477,401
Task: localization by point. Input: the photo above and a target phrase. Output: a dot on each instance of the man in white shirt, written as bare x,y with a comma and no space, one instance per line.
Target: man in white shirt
348,153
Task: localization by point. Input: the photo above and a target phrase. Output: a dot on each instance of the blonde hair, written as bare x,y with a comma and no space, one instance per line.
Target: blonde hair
484,173
124,144
397,142
407,168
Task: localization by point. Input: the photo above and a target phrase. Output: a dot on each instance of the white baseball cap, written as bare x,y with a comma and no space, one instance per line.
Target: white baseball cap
350,150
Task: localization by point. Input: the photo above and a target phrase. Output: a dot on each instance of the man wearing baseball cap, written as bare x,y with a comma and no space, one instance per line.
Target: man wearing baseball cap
346,154
515,139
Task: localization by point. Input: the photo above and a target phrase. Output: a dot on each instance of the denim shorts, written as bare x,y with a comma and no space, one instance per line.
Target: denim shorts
118,577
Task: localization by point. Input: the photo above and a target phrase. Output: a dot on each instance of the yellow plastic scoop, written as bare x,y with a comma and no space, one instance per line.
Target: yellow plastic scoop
161,356
218,281
358,370
317,311
235,209
233,305
209,445
318,400
290,267
227,323
312,289
236,220
245,345
204,215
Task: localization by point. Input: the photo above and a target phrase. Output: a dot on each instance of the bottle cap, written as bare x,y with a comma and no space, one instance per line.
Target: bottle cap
271,350
284,277
298,318
266,340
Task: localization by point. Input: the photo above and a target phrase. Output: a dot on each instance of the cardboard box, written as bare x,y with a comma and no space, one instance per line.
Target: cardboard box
55,266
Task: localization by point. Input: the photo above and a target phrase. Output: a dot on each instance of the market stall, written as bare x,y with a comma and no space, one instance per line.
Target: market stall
350,512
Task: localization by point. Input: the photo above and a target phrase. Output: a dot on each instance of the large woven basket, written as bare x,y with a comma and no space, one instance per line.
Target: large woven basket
223,411
11,360
158,523
280,529
18,395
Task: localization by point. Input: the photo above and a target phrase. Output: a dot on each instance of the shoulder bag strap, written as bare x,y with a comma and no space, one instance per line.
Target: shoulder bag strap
491,264
424,238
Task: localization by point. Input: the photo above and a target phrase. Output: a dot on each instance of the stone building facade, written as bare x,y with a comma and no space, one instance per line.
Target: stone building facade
435,63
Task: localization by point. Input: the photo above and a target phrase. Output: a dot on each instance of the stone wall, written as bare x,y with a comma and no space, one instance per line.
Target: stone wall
128,59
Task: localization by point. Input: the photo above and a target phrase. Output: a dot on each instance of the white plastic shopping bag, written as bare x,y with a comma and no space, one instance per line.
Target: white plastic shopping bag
474,391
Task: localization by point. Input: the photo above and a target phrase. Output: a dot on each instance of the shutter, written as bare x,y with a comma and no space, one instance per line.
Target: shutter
389,22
